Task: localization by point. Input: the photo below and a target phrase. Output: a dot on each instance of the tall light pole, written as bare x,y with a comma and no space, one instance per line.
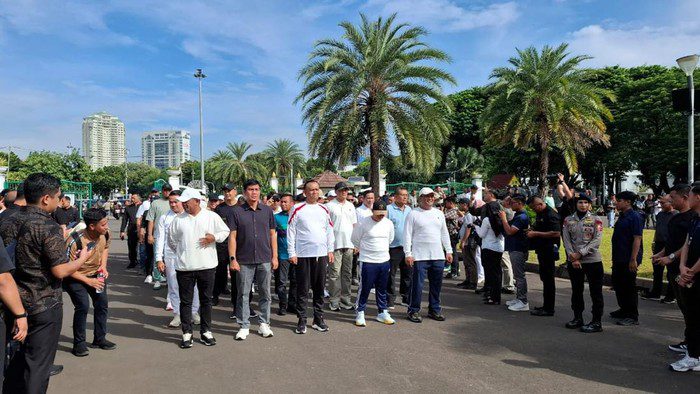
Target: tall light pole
126,173
688,64
200,76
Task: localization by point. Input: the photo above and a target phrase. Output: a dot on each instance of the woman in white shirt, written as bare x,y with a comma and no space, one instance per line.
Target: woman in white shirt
492,245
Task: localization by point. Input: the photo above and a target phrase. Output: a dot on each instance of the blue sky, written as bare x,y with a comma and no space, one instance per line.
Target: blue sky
63,60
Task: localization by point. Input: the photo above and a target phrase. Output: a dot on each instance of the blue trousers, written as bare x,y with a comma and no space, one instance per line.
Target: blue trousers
433,270
373,275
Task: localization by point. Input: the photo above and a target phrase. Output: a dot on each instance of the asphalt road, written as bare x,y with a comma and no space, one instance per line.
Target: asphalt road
478,348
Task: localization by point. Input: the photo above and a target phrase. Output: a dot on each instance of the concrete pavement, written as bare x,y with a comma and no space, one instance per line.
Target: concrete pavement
478,347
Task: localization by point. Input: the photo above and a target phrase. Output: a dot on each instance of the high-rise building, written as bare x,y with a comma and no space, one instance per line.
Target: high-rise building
165,148
103,140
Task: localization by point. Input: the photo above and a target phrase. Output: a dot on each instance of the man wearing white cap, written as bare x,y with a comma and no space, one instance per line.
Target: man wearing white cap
193,235
427,246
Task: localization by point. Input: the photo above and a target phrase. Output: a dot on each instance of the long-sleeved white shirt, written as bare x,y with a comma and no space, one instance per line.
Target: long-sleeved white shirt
425,235
489,239
310,231
344,219
363,212
184,234
162,249
373,239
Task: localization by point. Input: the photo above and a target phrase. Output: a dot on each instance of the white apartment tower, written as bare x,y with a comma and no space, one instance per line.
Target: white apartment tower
165,148
103,140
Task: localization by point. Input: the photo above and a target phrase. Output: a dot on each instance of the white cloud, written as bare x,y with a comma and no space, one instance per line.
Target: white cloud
446,15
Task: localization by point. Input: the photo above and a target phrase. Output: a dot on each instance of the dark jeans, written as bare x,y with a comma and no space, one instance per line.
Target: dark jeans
594,273
310,272
546,262
397,258
454,267
432,269
147,258
373,275
204,279
491,260
658,283
81,294
625,283
221,276
132,241
691,298
281,276
28,371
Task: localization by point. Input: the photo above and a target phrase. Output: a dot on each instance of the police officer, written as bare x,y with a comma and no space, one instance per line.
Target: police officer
582,233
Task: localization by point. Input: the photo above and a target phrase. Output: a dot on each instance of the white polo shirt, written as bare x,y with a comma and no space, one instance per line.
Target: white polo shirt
344,219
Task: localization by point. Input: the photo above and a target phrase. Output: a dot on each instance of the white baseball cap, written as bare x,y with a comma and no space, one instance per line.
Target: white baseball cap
331,194
426,191
188,194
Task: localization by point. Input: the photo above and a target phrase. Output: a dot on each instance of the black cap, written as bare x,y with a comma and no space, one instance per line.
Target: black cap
626,195
229,186
154,190
584,197
379,205
213,196
463,201
341,186
166,187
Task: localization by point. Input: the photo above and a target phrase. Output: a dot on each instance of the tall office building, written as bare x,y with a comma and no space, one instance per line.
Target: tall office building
165,148
103,140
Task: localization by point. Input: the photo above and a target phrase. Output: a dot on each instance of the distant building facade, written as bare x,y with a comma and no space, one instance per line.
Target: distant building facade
104,139
165,148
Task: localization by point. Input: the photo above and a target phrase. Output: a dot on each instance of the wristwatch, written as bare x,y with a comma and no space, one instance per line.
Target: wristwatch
232,258
21,315
672,256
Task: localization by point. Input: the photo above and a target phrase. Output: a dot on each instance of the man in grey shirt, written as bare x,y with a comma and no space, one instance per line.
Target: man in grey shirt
660,238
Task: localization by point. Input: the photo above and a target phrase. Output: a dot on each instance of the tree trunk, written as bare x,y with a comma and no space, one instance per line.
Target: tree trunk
374,166
544,167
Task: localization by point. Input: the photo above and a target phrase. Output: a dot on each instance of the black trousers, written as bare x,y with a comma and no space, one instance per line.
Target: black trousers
221,277
292,292
28,371
81,294
310,272
454,268
677,292
148,266
691,298
546,261
625,283
204,279
132,241
593,272
397,258
2,349
658,283
493,274
281,277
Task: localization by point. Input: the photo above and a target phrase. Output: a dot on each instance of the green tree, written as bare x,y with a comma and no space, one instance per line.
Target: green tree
106,179
283,155
544,100
232,165
315,166
360,90
463,162
70,167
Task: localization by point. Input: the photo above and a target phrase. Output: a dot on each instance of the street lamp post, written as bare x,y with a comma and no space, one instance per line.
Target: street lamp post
126,173
200,76
688,64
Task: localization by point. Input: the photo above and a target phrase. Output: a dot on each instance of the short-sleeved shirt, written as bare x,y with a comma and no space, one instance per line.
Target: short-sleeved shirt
225,211
66,216
518,241
344,218
6,263
546,221
158,208
398,218
678,227
452,221
93,263
282,220
693,242
252,233
40,246
661,233
627,226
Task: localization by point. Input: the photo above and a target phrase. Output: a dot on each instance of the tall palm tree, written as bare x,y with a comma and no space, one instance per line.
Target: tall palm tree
544,99
283,155
372,84
231,165
463,162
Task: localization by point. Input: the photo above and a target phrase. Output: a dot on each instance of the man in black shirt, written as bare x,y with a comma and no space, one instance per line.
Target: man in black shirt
11,304
660,238
544,236
66,215
130,230
220,281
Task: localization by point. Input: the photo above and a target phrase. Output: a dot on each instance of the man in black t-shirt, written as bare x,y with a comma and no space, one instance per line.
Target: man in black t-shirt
66,215
544,236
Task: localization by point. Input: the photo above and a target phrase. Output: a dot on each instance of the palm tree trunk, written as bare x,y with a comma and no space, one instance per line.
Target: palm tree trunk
544,161
374,166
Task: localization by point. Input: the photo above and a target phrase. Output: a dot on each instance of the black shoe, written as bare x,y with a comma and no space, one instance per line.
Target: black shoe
80,350
253,313
414,317
226,292
282,311
679,348
463,284
626,322
436,316
541,312
334,308
320,325
492,302
618,314
470,287
131,266
479,291
104,345
390,304
449,276
507,291
592,327
648,295
668,300
233,315
291,310
208,341
186,344
575,323
55,370
215,301
301,327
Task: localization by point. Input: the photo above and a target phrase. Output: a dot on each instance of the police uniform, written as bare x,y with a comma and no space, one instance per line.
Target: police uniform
583,235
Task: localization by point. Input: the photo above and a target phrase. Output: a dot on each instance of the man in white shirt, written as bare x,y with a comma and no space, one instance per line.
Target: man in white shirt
372,235
165,258
310,245
193,235
427,246
344,219
365,210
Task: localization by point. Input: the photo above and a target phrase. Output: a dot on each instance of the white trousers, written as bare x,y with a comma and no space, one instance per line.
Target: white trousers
479,267
173,290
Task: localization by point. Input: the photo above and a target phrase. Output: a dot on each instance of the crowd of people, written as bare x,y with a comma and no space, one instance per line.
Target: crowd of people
279,246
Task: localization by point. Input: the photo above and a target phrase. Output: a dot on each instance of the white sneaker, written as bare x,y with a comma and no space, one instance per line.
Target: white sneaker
196,319
175,323
156,285
169,307
265,330
149,279
519,307
685,364
385,318
360,319
512,302
372,291
326,294
242,334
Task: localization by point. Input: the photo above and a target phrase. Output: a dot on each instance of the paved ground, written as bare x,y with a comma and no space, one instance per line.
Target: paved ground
479,347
